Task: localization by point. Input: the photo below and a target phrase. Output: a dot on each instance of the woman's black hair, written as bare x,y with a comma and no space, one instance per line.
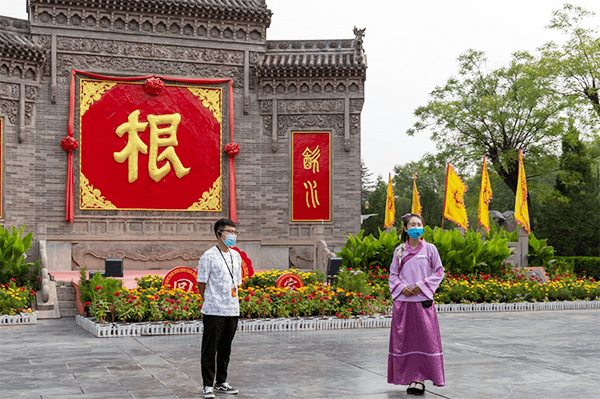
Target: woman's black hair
405,219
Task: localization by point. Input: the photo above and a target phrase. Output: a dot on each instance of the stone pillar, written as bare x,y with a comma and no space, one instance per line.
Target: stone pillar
523,247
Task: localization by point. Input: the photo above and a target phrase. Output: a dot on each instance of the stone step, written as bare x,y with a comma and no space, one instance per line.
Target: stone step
66,297
65,290
67,305
68,313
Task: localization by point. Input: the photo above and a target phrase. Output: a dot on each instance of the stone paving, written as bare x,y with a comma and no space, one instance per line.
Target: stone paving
521,355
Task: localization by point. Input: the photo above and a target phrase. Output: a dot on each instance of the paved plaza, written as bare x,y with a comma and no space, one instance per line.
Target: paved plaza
520,355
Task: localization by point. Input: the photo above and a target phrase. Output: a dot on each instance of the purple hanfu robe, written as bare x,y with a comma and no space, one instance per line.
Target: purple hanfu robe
415,342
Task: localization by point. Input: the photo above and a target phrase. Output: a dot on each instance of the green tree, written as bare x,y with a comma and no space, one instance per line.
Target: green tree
494,114
377,199
576,63
571,214
431,180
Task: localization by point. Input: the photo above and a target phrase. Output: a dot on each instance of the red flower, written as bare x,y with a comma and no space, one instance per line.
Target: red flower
169,311
88,303
179,301
98,288
118,293
14,280
247,299
185,308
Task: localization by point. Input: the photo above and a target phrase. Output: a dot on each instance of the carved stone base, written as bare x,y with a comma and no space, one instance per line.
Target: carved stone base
139,256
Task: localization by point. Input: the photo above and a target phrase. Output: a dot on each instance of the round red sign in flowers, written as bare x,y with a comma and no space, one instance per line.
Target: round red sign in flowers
289,280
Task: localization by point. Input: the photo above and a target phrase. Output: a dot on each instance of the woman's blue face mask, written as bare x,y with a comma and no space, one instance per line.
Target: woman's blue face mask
415,232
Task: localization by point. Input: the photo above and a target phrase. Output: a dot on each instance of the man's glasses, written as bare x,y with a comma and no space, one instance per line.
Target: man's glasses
230,231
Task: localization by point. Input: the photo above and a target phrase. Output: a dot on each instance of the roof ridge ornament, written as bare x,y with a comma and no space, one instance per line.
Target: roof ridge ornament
360,51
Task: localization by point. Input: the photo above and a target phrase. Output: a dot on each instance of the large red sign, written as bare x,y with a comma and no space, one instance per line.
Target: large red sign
143,150
311,176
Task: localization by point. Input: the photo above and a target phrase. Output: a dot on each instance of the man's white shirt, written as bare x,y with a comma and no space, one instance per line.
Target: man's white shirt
215,268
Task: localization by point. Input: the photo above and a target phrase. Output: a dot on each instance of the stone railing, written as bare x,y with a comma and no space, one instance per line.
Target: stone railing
45,277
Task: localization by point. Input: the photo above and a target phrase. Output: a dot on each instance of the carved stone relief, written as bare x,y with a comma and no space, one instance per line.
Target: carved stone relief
28,113
150,24
139,256
31,92
10,109
45,41
18,70
9,90
268,124
65,62
356,105
266,106
287,122
150,50
354,123
294,86
310,106
301,257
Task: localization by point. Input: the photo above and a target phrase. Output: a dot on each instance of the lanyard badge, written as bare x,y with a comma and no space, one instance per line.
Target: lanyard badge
233,291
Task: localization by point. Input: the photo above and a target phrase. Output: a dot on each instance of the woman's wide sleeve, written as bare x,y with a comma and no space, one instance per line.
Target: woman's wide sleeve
430,284
396,285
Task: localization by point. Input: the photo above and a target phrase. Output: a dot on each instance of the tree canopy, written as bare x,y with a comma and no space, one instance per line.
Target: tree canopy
494,114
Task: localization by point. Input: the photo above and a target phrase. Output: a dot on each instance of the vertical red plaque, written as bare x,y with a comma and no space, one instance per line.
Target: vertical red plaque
311,176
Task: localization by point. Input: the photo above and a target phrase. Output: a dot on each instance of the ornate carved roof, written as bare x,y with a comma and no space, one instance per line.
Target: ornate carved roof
16,43
249,10
287,58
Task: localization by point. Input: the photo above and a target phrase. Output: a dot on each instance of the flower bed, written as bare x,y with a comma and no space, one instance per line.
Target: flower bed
516,286
15,304
357,299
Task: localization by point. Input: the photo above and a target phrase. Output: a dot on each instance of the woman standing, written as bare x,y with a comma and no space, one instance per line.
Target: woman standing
415,344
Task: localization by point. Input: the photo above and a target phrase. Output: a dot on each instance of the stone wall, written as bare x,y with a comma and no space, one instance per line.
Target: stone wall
266,112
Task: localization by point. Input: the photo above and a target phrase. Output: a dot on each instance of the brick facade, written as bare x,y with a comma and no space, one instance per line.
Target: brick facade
279,87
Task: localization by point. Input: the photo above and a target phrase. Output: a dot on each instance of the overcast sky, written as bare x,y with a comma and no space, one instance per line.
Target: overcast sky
411,48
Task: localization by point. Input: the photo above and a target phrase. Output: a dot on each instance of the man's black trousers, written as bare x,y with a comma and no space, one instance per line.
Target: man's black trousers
216,347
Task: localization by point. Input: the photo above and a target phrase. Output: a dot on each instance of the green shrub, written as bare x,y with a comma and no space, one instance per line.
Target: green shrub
361,252
12,258
539,254
469,254
98,293
582,265
353,281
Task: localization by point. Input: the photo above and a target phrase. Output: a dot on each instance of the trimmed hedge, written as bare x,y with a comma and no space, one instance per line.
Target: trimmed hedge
588,264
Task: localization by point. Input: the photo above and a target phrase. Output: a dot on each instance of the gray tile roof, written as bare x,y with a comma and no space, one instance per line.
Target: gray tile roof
313,54
255,9
20,46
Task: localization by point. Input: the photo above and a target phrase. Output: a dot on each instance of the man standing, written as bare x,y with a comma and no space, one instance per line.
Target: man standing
219,274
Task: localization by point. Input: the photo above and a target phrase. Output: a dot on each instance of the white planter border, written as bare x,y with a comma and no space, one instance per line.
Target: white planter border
23,318
113,330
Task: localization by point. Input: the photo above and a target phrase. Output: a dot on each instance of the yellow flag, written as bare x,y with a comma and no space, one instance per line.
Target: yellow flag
485,195
454,203
521,210
390,206
416,200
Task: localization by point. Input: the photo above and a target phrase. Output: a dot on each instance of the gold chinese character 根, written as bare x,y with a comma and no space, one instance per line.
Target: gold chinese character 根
135,145
311,158
311,194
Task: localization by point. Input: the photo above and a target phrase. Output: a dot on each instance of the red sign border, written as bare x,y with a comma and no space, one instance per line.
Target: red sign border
177,84
328,132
